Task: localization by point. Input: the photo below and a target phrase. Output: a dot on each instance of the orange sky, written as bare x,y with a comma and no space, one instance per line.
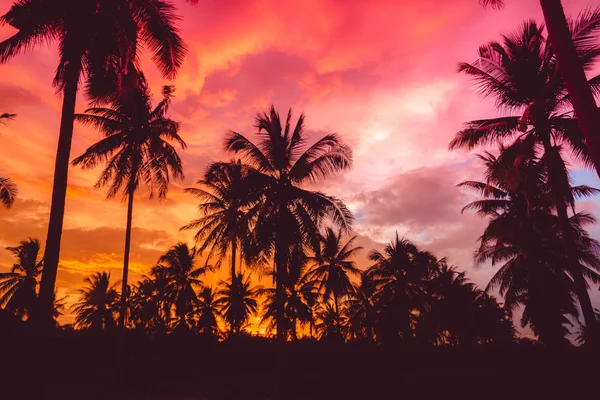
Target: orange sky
381,73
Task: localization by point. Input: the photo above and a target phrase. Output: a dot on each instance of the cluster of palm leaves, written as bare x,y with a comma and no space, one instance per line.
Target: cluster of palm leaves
534,230
408,296
20,286
8,189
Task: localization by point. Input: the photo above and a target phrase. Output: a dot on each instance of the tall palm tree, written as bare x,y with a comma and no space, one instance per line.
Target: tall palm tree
289,216
229,205
97,41
580,93
521,74
334,266
180,277
238,302
521,234
18,288
136,148
99,303
8,190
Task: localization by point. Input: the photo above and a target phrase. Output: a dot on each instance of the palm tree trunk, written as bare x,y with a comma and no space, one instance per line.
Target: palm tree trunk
574,77
568,243
59,194
279,295
335,302
233,255
123,310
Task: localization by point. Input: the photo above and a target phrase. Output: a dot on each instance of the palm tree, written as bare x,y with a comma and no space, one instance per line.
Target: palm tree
97,41
399,273
98,307
229,205
458,313
361,311
207,312
580,93
237,301
521,234
136,148
149,309
180,277
18,288
334,266
289,216
330,326
521,73
8,190
301,295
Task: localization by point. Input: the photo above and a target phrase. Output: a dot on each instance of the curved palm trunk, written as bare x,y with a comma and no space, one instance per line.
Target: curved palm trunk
59,194
123,311
574,77
570,251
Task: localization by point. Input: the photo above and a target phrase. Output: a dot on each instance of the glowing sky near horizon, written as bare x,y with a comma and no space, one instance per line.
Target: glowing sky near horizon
381,73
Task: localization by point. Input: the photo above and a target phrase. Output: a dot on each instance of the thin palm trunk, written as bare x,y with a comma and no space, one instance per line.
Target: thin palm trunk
572,258
59,194
279,294
574,77
123,310
233,255
335,302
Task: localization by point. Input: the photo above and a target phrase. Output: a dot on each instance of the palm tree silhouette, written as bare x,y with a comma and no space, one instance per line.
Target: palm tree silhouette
334,266
237,301
580,92
521,73
289,216
97,42
330,325
207,312
229,206
361,312
399,273
8,190
149,307
99,304
301,298
136,148
521,234
457,313
180,276
18,288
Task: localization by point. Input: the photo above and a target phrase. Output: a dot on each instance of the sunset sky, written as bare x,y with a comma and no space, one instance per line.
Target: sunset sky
381,73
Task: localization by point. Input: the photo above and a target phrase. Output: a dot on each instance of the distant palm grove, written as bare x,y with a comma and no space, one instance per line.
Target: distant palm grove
259,217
